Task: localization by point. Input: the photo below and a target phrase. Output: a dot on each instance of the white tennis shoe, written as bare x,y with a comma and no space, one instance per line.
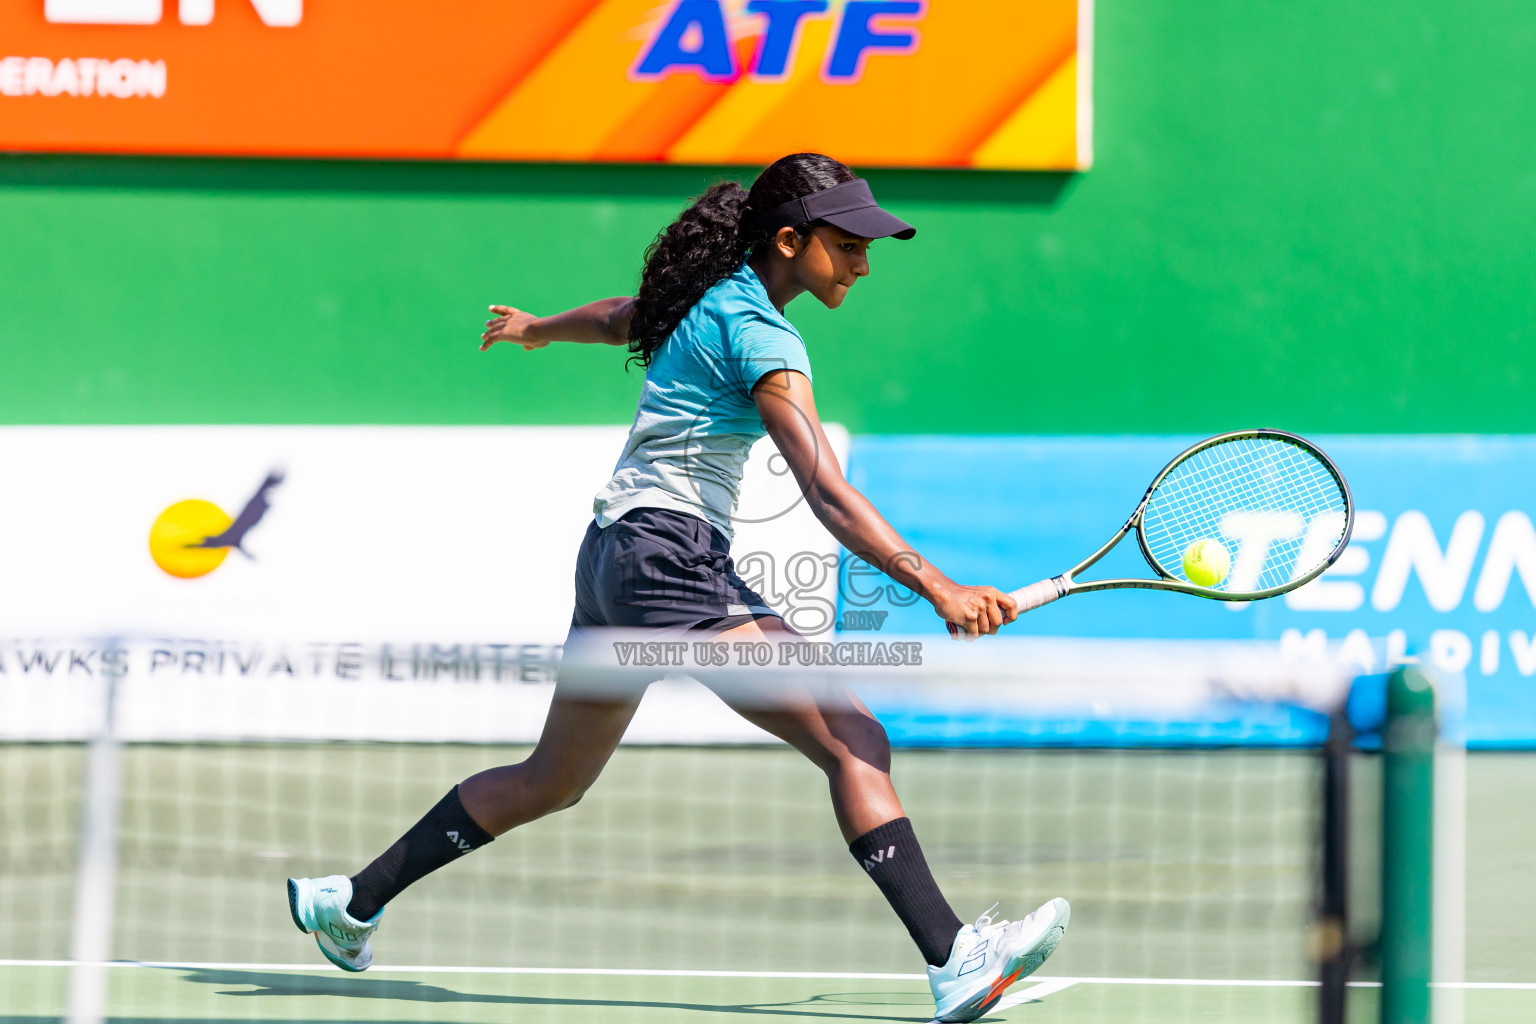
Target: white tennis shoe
989,955
319,908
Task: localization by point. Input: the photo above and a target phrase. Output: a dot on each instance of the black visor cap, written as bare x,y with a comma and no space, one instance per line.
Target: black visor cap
850,206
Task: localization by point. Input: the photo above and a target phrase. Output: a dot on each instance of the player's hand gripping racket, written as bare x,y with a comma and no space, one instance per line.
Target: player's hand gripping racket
1238,517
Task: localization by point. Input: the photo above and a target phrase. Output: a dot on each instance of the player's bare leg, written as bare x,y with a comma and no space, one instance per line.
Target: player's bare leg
578,738
970,966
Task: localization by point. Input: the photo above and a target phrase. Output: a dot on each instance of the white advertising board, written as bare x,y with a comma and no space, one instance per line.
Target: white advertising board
374,534
401,583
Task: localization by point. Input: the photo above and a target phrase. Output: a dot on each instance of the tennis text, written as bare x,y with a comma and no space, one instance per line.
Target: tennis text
274,13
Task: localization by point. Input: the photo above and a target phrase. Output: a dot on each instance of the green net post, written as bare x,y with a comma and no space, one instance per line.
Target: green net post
1408,817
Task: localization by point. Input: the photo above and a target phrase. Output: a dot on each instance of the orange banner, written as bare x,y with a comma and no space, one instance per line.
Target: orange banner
917,83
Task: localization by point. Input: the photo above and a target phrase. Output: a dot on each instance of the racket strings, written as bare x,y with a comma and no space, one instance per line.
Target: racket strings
1270,479
1275,502
1251,490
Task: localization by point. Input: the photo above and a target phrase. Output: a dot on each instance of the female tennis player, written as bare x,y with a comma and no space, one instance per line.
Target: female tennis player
722,366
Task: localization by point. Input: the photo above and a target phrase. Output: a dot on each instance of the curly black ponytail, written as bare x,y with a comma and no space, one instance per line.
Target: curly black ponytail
710,239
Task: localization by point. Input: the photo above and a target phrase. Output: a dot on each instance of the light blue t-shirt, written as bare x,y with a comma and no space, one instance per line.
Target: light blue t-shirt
697,420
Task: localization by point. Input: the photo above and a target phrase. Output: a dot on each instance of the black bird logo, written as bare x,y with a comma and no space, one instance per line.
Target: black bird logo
234,536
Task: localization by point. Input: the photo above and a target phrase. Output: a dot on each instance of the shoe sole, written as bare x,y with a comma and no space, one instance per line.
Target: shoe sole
338,961
293,911
1019,968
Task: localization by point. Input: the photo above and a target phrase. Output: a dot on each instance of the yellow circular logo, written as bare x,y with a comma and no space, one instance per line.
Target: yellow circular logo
177,540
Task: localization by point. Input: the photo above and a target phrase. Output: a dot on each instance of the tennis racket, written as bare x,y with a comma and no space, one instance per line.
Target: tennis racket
1274,504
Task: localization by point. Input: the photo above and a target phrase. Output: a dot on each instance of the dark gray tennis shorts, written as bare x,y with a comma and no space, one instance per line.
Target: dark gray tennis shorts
656,568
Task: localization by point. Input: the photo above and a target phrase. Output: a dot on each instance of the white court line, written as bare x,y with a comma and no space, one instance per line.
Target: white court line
379,969
1034,993
1058,984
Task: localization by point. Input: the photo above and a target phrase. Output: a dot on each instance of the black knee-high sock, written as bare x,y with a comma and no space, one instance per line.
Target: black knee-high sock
893,859
444,834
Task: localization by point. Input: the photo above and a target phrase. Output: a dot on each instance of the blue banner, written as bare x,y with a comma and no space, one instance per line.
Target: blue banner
1442,564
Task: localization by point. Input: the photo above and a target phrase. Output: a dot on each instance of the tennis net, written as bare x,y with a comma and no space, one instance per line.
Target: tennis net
1178,796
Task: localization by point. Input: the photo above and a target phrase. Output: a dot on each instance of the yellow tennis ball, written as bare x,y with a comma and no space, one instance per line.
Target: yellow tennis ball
1207,562
184,523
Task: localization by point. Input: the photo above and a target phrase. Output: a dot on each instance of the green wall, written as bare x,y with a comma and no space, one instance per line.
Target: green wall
1304,214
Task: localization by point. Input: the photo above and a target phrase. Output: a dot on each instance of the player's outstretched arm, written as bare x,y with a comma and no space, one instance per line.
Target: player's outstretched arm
788,409
604,322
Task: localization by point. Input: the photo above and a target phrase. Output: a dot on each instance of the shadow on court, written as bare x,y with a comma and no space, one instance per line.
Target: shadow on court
826,1006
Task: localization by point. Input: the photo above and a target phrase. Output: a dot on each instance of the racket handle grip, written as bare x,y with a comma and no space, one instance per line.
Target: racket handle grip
1037,594
1029,598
